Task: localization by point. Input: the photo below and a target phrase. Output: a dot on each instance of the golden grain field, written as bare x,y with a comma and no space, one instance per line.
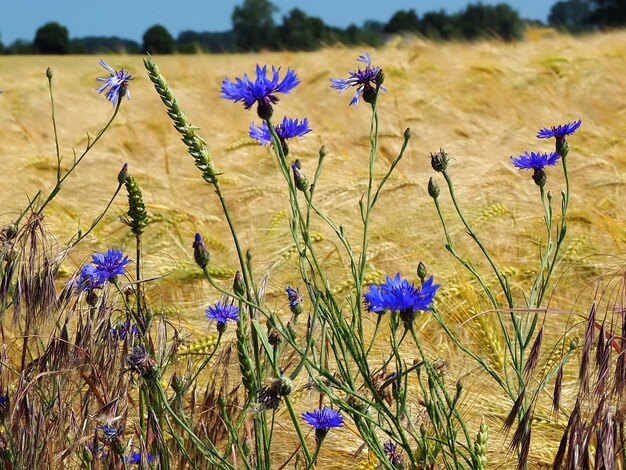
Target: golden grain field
481,102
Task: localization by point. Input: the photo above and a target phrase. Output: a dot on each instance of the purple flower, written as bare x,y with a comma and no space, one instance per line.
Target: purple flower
104,267
261,91
117,83
222,314
392,452
109,265
109,432
399,295
288,129
295,300
559,132
135,458
323,419
364,80
535,161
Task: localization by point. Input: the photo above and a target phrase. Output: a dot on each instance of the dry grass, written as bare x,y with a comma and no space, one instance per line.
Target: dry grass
481,102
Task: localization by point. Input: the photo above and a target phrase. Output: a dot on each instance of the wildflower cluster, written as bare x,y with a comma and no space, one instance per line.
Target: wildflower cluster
538,161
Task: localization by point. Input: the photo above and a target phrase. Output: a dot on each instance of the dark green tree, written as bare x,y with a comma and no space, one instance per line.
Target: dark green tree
439,25
52,38
158,40
299,32
570,15
403,21
480,21
254,25
608,13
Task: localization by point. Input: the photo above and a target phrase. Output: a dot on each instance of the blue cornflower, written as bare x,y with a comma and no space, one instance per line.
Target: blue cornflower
322,420
399,295
288,129
104,267
559,132
295,300
262,91
535,161
117,83
135,458
393,454
222,314
121,330
107,266
364,80
109,432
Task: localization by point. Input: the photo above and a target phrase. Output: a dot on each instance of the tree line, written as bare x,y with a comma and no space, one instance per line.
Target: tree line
254,29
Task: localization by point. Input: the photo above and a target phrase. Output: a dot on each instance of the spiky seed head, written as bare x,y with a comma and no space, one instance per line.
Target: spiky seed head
439,161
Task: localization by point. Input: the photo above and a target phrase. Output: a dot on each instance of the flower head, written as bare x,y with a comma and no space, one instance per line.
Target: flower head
109,432
135,458
261,91
393,453
222,314
559,132
287,129
399,295
535,161
140,361
108,265
323,419
295,300
116,82
364,80
104,267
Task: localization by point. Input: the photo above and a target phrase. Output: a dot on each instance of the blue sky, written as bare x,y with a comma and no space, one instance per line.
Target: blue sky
130,18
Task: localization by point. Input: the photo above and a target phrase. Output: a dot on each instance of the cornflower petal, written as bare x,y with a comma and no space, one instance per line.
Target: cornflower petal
222,313
361,79
287,129
323,419
117,83
535,160
559,132
263,90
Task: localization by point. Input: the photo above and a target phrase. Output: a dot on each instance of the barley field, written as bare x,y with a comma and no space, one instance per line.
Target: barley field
481,102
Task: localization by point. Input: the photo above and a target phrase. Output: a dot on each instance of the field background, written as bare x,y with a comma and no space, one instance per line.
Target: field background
481,102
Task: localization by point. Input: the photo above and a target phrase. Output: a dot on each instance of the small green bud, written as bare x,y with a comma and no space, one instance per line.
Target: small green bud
121,176
407,133
274,337
421,270
433,188
177,383
562,147
49,73
92,298
323,152
285,386
200,253
380,77
299,179
239,287
9,231
439,161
